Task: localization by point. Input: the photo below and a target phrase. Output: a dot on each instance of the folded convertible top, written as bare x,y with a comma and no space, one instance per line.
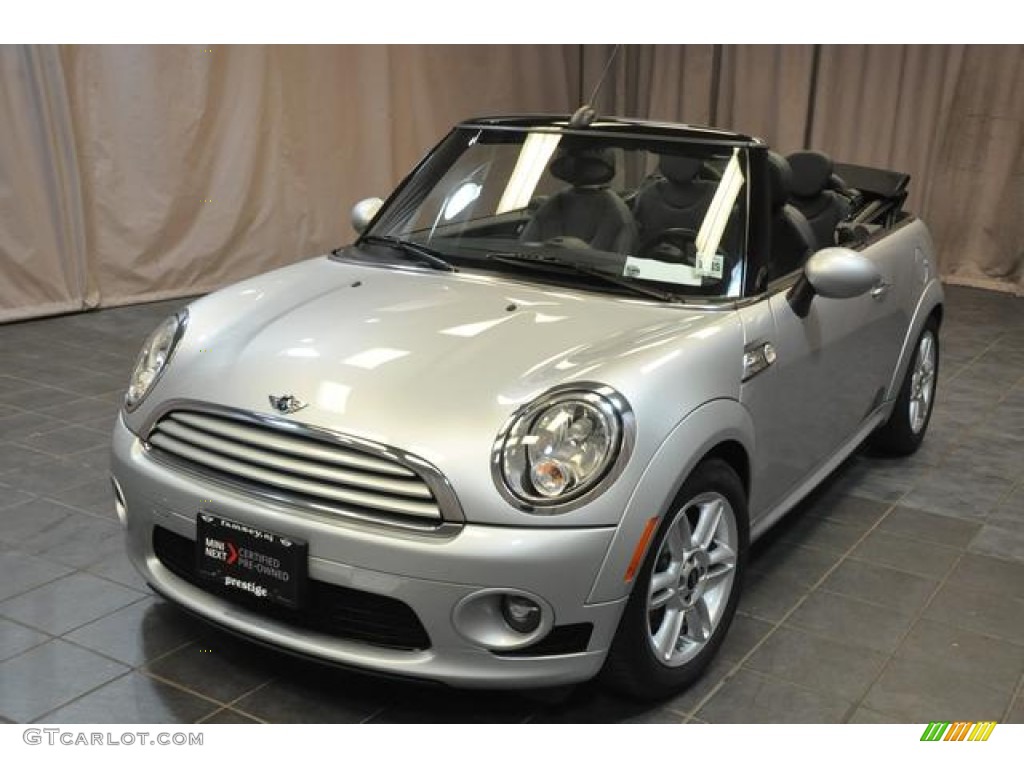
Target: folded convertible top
873,181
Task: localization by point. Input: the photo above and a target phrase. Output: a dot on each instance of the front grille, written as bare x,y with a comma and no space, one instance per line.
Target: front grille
298,465
330,609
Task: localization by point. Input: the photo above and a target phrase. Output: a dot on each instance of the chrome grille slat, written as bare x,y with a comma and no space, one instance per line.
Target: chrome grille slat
283,443
305,468
274,461
281,480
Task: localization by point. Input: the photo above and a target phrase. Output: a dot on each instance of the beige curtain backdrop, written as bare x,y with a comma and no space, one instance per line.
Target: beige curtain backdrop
950,115
135,173
42,231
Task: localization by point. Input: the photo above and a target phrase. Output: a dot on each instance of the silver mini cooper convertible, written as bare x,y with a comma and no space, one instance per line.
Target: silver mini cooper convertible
524,429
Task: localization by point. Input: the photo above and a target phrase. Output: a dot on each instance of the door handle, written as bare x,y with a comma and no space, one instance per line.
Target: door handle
881,288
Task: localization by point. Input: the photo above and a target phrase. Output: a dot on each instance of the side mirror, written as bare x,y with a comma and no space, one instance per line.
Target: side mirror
363,213
835,273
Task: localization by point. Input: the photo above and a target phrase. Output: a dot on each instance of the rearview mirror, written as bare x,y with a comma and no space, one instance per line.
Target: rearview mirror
835,273
363,213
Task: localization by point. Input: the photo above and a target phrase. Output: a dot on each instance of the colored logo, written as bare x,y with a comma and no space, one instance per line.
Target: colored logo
958,731
286,403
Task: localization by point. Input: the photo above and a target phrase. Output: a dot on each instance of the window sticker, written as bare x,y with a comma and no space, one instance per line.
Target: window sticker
651,269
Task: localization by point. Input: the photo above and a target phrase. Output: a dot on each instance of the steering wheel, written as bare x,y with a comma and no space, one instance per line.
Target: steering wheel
676,245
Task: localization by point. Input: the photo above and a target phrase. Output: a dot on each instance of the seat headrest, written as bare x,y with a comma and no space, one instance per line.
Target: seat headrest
811,172
679,170
780,180
584,167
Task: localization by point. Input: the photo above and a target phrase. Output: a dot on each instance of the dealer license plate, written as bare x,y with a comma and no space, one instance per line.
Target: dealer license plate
248,561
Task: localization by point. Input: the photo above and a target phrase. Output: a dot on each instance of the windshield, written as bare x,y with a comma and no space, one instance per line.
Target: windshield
661,217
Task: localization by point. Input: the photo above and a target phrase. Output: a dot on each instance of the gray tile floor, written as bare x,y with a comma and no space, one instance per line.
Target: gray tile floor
895,594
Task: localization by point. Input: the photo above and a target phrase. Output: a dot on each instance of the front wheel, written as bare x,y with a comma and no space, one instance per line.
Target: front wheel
686,592
902,434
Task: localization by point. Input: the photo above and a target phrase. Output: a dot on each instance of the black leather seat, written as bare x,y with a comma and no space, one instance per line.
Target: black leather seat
679,200
814,197
793,240
587,210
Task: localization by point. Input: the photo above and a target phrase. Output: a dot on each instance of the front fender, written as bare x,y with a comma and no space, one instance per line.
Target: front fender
703,429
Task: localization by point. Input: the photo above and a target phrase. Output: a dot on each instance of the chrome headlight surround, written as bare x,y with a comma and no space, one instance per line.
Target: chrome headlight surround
153,359
516,468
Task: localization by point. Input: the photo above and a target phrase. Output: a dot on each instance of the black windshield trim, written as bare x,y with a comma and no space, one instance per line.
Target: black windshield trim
546,261
425,254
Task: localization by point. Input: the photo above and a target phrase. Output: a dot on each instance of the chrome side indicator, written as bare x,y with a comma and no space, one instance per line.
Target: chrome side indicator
757,359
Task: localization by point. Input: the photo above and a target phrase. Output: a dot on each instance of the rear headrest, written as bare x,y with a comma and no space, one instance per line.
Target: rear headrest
679,170
811,172
780,179
584,167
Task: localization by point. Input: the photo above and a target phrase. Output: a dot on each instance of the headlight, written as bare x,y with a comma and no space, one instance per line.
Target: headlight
153,358
560,447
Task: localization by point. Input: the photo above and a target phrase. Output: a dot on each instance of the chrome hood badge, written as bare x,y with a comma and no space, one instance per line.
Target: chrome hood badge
286,403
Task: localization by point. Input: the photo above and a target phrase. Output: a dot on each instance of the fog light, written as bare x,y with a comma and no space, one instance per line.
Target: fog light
520,613
502,619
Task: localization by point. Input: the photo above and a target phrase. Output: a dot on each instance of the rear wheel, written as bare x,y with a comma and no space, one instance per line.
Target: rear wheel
686,592
902,434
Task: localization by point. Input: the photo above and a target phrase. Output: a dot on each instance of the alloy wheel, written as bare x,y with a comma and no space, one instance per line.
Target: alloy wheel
922,383
692,579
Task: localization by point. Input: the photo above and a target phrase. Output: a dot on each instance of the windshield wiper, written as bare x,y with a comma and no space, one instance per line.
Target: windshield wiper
547,260
421,253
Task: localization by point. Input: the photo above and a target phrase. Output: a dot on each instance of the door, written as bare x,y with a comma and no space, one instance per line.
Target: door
831,371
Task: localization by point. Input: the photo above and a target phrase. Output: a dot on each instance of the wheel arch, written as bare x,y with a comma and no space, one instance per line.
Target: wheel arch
931,304
733,453
717,429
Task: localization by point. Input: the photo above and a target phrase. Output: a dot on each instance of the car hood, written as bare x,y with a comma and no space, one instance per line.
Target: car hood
434,363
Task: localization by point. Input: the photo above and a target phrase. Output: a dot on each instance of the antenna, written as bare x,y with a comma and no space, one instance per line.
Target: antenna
604,73
585,115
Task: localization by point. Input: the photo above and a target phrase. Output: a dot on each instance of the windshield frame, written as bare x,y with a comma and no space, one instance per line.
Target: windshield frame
430,171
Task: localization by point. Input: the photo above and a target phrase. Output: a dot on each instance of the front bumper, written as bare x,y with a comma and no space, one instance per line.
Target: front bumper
431,575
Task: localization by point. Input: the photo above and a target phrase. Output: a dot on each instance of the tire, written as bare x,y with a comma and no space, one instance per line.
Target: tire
685,595
902,434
